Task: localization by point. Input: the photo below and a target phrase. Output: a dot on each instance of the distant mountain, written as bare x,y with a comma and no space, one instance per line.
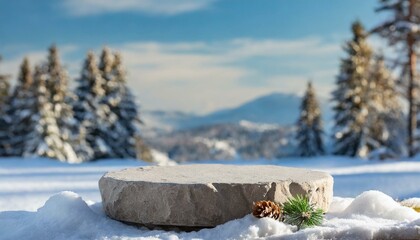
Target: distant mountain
276,108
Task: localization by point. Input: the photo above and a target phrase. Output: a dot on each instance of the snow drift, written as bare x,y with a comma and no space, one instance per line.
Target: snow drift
30,186
67,216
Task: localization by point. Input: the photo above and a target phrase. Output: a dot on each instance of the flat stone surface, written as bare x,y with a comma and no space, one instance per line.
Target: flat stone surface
205,195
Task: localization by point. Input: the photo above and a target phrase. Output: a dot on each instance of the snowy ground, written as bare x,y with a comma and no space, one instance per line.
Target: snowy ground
32,207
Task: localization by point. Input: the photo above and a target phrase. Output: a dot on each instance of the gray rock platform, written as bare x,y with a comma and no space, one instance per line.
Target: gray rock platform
205,195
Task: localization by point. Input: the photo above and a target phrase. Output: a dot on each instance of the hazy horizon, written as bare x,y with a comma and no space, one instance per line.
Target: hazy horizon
191,56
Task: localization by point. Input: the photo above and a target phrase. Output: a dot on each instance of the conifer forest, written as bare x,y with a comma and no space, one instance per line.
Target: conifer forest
42,117
374,104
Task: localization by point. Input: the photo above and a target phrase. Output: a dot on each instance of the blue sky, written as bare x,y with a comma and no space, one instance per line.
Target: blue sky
191,55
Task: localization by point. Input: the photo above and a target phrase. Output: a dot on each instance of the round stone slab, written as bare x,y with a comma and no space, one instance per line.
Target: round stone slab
205,195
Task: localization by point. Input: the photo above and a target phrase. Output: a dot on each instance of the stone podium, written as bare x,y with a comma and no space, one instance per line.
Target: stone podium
205,195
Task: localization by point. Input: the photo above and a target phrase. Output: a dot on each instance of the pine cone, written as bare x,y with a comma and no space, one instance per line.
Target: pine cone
267,209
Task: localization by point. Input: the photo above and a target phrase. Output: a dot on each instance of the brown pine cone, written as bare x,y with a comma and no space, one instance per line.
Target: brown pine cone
267,209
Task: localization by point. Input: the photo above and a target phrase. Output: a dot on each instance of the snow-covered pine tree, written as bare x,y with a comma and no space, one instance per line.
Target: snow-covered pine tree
351,131
111,131
45,139
121,130
89,109
309,126
20,108
401,29
57,85
4,89
63,101
385,109
5,147
126,110
61,132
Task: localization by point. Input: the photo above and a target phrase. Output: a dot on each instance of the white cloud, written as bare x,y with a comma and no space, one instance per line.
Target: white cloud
299,47
206,76
159,7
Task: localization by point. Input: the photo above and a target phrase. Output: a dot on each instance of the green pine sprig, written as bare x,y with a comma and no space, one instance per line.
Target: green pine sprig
300,212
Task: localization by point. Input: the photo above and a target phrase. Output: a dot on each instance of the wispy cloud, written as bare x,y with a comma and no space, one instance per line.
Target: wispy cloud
158,7
205,76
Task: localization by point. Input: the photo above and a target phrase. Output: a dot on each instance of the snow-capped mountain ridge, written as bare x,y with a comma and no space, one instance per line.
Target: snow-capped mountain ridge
276,108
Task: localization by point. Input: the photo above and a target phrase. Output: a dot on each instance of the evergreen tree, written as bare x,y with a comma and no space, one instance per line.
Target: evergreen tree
62,102
21,106
90,111
385,107
126,110
351,131
121,132
80,145
57,86
309,125
111,132
4,89
401,29
55,127
45,139
5,147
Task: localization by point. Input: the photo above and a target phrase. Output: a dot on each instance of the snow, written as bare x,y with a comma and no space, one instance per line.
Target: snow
375,204
67,216
25,184
261,127
407,26
219,146
161,159
47,199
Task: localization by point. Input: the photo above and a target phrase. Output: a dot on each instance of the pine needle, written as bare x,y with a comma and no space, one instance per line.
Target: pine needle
300,212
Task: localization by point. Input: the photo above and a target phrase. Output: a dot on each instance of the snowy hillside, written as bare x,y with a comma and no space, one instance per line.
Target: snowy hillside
31,205
275,108
250,131
163,121
244,140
